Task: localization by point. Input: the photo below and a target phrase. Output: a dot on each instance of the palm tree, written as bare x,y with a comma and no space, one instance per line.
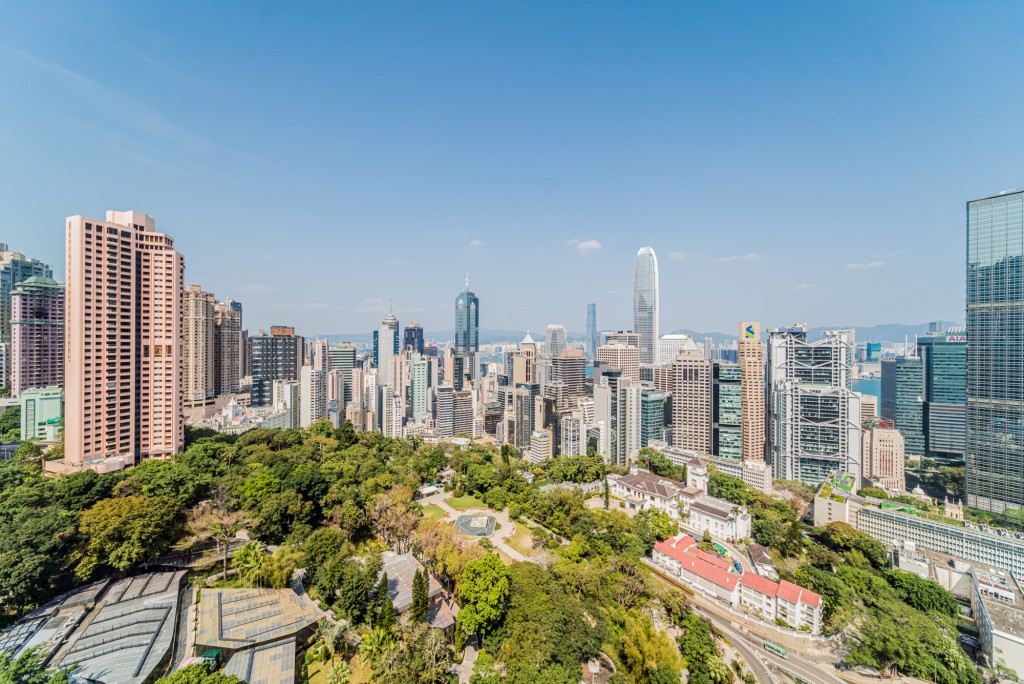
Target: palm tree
249,561
373,646
341,673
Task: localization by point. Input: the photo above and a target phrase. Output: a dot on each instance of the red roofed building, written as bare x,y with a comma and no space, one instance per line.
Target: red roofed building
798,607
708,574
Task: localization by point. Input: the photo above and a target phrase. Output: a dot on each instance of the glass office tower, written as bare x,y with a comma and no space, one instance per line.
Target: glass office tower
903,399
995,353
645,304
944,355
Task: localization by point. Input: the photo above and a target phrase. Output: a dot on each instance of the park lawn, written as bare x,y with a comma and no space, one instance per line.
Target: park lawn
432,512
465,503
522,540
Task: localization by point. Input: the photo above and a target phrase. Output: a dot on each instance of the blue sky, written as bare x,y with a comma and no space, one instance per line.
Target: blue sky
787,161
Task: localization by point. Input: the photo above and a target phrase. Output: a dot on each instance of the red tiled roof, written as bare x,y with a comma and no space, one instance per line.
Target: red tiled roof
717,561
683,550
794,594
758,583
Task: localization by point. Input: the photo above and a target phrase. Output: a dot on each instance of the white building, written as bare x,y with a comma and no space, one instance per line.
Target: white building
312,396
720,519
540,446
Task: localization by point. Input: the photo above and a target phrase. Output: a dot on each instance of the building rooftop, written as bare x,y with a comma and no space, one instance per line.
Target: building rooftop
241,618
272,663
401,569
648,482
759,554
684,550
129,632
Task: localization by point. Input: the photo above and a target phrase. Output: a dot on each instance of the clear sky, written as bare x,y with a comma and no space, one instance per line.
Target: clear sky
787,161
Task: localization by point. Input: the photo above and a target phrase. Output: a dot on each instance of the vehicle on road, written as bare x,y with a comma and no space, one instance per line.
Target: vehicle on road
776,649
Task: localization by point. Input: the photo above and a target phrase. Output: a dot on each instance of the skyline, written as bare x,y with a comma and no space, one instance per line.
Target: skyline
705,142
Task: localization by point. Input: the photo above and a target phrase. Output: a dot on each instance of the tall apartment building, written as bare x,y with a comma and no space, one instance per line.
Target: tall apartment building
444,411
286,396
652,416
691,399
813,414
944,356
621,356
200,346
419,387
319,357
312,396
275,356
751,362
462,419
903,399
645,305
124,339
884,455
727,411
554,341
227,348
15,268
386,348
37,334
343,358
995,354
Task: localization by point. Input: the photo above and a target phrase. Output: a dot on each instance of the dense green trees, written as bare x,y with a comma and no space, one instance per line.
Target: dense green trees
120,533
28,669
199,673
483,592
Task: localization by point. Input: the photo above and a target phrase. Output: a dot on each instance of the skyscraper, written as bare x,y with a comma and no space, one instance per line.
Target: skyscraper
623,357
37,334
645,304
277,356
200,345
15,267
554,341
751,361
944,355
591,341
903,399
343,359
312,395
467,323
995,353
691,399
227,347
413,337
727,411
814,415
124,339
387,349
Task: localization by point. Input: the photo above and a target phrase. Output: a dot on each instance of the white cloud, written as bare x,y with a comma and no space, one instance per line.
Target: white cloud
864,265
805,286
677,256
476,243
748,257
585,246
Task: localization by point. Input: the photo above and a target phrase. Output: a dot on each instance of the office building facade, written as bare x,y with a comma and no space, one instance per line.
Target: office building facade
227,348
727,411
751,361
591,341
995,354
645,305
903,399
275,356
944,356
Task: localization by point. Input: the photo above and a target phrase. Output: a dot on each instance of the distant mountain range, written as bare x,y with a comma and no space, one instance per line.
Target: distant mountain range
886,332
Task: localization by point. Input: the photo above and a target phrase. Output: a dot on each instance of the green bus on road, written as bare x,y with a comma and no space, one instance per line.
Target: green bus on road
776,649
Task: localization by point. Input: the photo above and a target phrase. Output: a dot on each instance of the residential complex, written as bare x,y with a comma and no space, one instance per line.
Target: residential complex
37,334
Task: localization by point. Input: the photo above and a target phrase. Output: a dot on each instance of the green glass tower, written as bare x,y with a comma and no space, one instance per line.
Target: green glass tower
995,354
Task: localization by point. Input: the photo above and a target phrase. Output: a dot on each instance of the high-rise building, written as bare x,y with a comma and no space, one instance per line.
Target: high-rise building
444,411
462,418
813,413
691,400
868,407
569,368
621,356
591,341
903,399
522,361
652,416
37,334
944,355
467,323
200,346
319,357
413,337
884,459
626,337
541,446
124,339
418,386
342,358
727,411
669,346
227,345
554,341
751,362
995,353
312,396
277,356
645,304
15,267
573,441
387,350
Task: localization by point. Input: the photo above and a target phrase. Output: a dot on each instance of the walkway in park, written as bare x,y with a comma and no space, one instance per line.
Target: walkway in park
506,528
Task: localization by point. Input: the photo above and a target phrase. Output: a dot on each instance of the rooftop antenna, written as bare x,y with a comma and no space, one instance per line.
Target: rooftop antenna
467,281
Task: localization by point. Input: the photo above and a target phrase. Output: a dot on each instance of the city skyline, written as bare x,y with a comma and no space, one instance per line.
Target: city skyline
724,191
